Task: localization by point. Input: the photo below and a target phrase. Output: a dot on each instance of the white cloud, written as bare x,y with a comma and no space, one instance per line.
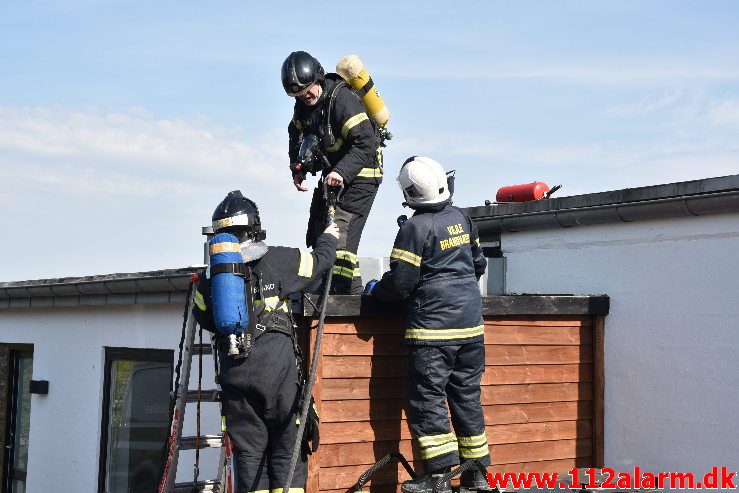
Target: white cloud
135,187
138,188
644,107
576,72
126,153
626,73
690,150
724,112
690,114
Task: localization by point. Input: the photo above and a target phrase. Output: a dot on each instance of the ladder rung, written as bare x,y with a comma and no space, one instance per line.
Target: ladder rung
209,395
207,349
205,486
206,441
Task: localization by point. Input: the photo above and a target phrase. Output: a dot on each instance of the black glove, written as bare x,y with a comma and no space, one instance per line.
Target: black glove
311,435
313,422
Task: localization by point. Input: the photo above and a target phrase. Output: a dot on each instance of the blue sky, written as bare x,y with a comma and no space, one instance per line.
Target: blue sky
123,124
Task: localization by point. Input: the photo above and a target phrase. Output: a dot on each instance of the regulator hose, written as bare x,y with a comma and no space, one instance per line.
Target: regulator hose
332,200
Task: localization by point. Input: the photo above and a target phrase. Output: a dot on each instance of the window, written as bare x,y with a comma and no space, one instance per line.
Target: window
17,365
135,419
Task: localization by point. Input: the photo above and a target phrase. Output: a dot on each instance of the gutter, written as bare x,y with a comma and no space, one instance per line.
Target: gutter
546,215
163,286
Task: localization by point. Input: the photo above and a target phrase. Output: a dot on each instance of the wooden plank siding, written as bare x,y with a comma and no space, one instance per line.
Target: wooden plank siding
539,394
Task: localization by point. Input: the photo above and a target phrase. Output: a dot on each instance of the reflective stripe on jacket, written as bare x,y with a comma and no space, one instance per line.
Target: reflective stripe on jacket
355,155
281,272
435,263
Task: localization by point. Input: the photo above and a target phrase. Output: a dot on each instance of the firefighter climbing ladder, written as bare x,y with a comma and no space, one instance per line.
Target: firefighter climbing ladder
181,396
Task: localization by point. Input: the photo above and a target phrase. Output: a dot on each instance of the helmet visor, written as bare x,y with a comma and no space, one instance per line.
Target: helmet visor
295,90
413,192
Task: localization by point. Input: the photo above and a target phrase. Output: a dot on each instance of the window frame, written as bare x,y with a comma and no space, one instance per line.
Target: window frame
15,353
113,354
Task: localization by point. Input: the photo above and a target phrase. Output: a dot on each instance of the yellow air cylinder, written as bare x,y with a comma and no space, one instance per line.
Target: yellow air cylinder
353,71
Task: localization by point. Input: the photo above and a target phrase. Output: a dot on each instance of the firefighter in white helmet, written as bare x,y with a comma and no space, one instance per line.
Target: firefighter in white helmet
436,263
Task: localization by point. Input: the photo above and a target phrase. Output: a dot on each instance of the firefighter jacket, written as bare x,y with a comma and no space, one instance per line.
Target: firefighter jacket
261,393
280,273
436,262
355,154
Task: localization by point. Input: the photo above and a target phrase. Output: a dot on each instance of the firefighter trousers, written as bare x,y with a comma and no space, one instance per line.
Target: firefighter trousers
260,401
351,216
438,375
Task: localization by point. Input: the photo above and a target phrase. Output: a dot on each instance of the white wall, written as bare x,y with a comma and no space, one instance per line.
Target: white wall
68,347
672,335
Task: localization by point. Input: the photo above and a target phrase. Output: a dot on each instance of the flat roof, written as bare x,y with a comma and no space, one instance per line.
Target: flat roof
681,199
171,285
499,305
160,286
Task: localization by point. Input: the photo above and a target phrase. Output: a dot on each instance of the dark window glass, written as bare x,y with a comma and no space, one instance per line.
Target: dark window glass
15,460
136,419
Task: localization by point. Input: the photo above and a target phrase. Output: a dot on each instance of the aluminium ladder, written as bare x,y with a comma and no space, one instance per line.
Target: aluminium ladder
181,396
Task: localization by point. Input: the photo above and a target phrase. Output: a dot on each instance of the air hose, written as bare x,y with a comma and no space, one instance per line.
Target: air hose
332,198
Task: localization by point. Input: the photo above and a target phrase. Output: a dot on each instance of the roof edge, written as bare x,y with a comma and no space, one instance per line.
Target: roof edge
692,198
159,281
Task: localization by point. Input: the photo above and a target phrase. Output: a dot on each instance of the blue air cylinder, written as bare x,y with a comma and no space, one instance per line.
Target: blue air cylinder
227,289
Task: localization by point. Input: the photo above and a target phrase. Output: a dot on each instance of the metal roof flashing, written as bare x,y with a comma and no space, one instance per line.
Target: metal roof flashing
161,286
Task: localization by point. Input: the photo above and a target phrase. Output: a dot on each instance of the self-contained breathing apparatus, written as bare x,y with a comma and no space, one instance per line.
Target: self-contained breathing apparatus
229,288
238,242
352,73
300,71
367,97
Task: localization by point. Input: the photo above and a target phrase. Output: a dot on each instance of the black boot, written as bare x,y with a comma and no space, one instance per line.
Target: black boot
425,484
474,479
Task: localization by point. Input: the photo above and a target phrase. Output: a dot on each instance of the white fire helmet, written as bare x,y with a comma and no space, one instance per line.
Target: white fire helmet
423,182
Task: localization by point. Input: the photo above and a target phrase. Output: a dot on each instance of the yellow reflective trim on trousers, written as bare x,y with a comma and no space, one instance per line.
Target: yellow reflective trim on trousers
200,301
353,122
474,453
337,145
406,256
291,490
473,441
438,450
306,264
428,334
347,255
434,445
343,271
370,173
357,272
225,247
436,439
259,491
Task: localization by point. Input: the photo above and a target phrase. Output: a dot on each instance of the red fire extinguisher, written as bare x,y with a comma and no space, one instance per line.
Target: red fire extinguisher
524,193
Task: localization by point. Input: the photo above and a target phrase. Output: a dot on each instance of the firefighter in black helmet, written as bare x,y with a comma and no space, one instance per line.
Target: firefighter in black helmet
261,390
329,111
435,263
